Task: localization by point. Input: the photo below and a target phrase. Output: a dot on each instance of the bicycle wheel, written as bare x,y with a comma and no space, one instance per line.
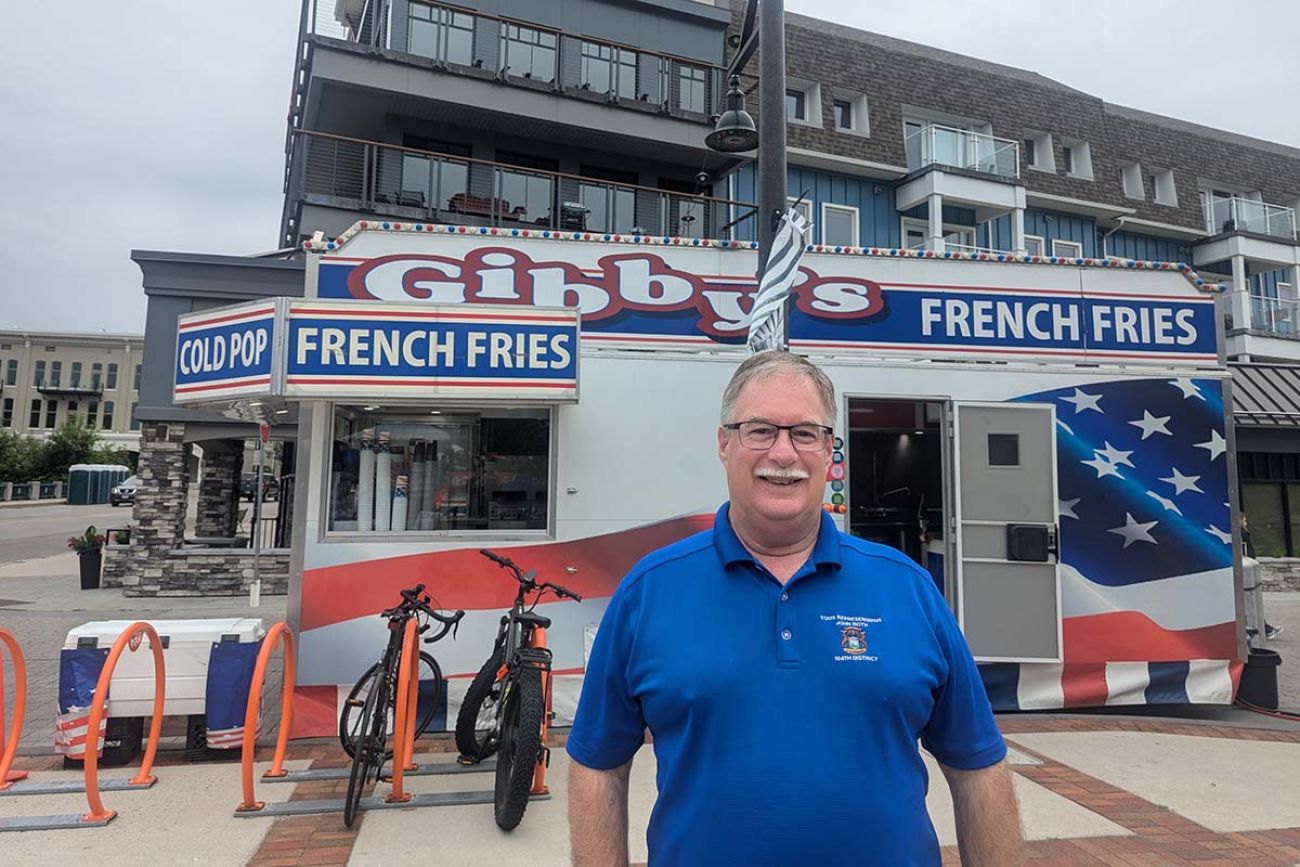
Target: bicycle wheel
431,696
476,722
521,744
369,746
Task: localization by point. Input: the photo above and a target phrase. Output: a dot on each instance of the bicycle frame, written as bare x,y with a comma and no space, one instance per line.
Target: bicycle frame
525,644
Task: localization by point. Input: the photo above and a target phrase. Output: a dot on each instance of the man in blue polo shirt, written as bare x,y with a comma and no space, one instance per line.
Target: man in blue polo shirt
786,672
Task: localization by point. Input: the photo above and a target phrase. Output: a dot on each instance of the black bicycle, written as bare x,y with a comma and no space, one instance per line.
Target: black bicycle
368,714
508,706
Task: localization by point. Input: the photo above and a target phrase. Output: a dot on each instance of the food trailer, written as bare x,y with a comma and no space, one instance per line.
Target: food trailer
1047,437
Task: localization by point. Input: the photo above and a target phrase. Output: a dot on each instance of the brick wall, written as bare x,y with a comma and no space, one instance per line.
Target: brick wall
1280,573
218,505
161,496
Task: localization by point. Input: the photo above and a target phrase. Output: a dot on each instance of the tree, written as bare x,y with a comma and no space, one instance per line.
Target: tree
20,457
73,443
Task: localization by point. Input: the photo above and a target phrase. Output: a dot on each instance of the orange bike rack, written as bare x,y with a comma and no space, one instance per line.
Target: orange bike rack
408,673
539,775
9,748
130,638
278,634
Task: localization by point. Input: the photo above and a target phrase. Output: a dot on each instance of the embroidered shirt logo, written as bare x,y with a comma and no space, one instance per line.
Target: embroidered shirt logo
853,640
853,636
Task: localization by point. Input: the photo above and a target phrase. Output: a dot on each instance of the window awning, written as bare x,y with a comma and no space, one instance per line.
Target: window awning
1266,395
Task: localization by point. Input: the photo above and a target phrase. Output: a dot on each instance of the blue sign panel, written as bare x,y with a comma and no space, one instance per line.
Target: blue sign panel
225,353
674,298
389,350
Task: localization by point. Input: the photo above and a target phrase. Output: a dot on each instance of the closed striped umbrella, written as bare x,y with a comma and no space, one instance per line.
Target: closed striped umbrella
767,319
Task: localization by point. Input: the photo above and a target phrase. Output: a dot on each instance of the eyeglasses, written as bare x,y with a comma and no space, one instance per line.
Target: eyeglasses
761,435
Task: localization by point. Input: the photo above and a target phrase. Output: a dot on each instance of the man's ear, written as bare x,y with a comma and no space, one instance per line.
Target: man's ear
723,440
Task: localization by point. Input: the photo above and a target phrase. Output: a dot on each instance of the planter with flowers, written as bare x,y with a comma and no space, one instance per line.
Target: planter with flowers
90,551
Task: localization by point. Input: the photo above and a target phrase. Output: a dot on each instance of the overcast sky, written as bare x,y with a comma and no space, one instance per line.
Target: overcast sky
160,125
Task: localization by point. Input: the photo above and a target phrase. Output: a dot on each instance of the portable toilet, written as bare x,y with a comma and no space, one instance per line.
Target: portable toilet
79,484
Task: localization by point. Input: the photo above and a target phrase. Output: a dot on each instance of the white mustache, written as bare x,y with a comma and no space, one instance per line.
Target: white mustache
793,474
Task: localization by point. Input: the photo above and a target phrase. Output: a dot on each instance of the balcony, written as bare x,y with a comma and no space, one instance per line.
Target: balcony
475,44
1274,317
1237,214
962,149
69,389
418,185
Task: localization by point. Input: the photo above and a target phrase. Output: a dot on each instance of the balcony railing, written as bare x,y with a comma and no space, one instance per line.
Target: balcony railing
455,38
412,184
962,149
1236,214
1275,315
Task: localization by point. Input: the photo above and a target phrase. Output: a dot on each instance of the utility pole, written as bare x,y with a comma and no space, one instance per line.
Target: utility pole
771,122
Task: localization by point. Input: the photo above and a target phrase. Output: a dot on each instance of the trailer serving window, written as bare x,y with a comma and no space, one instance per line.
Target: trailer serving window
439,470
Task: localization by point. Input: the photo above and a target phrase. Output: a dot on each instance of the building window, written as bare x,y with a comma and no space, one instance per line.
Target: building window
11,372
1067,249
34,420
108,415
96,375
796,105
803,207
136,386
71,414
1076,158
850,111
529,196
839,225
441,34
478,471
112,375
135,423
92,413
56,373
7,413
1033,245
609,69
76,374
803,101
1131,177
528,53
1031,152
1166,192
916,233
692,88
51,414
38,377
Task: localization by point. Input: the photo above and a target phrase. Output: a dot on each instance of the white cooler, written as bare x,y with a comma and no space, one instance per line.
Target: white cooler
187,644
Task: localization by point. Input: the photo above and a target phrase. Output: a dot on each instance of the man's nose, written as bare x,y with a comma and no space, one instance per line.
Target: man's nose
783,449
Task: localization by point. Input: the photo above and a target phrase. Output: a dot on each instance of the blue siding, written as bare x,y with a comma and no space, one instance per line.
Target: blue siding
878,221
1048,225
1130,245
1265,283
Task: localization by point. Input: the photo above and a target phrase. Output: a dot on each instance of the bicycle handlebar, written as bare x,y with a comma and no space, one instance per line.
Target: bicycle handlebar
527,579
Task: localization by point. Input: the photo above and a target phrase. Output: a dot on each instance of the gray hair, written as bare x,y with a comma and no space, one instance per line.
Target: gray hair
777,362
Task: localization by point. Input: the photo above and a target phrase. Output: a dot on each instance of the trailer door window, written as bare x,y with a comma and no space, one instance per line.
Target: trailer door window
445,470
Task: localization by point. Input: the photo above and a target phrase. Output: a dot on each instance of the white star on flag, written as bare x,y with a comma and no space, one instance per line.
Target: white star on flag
1149,424
1103,467
1168,504
1216,446
1065,508
1065,427
1225,538
1187,387
1132,531
1114,455
1084,401
1183,483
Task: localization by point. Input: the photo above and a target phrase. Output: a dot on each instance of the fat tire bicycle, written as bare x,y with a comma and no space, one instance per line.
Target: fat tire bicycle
364,723
508,705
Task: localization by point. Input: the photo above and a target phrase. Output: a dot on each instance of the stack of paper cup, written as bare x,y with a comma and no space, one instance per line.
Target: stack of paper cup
418,452
399,503
366,482
383,483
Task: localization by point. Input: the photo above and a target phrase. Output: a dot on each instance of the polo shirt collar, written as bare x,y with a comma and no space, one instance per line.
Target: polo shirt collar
825,552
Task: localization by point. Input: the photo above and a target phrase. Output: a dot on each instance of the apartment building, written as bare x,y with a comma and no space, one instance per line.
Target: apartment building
47,378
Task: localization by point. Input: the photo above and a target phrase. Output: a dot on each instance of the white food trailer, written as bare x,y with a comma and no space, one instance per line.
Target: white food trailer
1047,437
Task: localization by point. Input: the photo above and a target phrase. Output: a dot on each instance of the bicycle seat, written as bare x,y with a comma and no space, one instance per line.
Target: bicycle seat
537,620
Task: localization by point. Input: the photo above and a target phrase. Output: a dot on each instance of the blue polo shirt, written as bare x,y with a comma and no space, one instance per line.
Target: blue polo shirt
785,718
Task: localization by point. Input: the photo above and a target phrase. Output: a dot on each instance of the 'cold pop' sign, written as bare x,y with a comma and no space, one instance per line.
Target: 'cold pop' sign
225,353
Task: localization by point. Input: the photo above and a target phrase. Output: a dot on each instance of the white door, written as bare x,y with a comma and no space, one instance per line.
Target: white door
1005,539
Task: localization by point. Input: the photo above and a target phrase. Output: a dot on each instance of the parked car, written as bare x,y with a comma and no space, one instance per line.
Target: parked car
248,483
124,493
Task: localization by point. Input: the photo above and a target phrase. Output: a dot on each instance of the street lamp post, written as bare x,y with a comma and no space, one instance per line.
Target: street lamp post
735,131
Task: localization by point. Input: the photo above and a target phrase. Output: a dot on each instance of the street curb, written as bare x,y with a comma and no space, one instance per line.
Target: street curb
27,504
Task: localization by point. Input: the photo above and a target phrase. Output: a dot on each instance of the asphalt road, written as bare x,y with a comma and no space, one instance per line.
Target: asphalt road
39,531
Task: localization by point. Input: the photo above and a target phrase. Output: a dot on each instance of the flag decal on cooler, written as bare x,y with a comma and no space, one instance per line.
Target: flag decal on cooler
767,318
78,676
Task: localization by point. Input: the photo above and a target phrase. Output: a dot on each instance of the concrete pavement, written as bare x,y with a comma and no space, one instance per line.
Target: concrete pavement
40,530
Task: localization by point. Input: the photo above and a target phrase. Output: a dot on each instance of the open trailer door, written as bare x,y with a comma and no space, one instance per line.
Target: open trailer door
1005,544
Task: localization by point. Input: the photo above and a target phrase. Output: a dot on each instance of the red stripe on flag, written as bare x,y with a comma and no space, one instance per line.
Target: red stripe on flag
462,578
1131,636
1084,685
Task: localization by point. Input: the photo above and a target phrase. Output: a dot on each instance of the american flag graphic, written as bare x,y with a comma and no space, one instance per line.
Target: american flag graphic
230,674
1147,593
78,675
